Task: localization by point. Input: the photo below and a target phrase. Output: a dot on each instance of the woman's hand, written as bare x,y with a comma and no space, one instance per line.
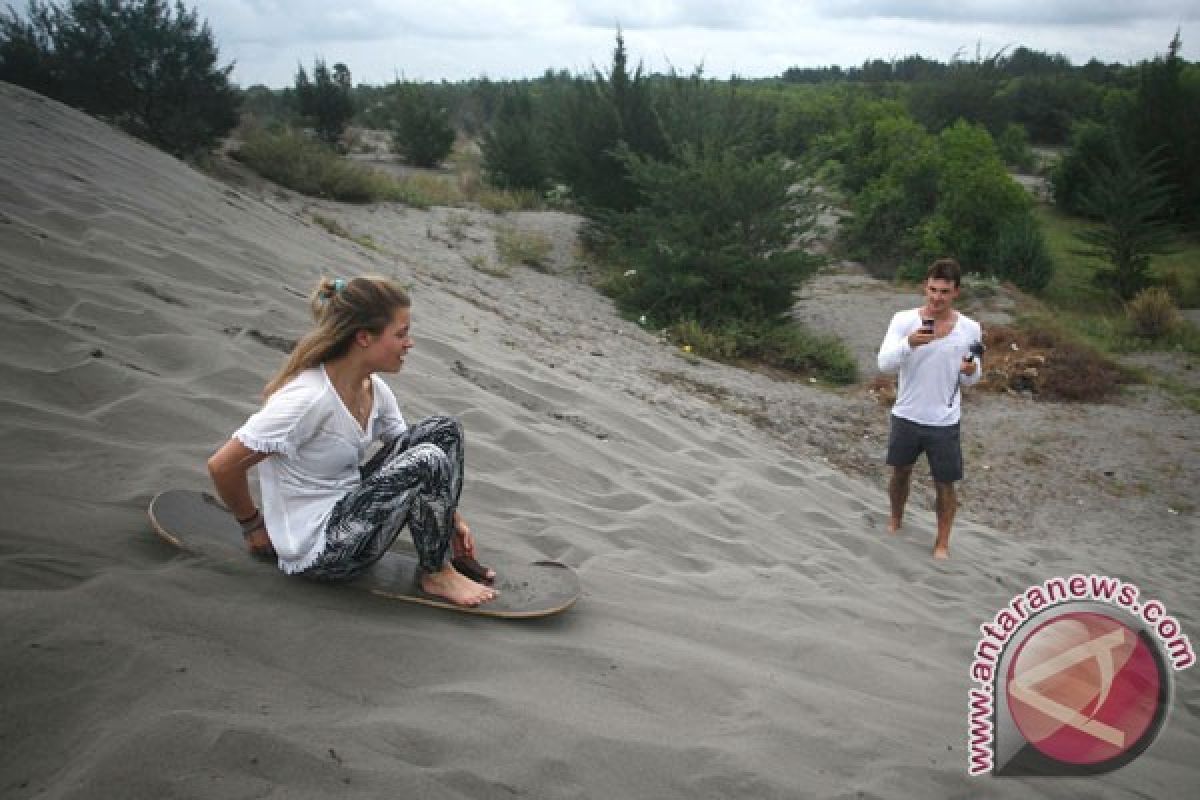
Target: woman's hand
462,543
228,469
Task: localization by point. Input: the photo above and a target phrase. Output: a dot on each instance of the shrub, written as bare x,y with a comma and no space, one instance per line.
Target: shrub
308,167
1021,254
1013,147
780,344
1092,146
421,133
715,238
523,247
134,62
1152,313
976,197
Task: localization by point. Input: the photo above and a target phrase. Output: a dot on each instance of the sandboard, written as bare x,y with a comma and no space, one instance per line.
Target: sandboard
196,522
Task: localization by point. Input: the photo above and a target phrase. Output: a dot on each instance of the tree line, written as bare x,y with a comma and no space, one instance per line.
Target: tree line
704,186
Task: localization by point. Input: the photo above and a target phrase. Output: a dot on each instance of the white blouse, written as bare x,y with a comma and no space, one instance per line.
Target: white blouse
317,446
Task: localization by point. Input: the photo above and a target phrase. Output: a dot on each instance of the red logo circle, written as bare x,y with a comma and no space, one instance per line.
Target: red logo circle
1083,688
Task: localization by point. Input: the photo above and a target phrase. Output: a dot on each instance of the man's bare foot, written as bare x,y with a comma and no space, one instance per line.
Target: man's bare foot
941,553
894,525
449,584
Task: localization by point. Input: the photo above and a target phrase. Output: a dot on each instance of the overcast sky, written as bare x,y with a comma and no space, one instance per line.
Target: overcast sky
380,40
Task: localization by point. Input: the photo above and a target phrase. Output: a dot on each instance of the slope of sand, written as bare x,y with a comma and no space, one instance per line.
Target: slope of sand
746,630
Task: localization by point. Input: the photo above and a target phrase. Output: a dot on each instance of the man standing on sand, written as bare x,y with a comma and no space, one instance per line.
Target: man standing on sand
932,349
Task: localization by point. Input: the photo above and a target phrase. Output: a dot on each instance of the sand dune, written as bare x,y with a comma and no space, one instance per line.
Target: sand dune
747,628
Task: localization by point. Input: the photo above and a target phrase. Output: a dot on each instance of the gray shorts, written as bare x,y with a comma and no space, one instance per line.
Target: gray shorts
940,444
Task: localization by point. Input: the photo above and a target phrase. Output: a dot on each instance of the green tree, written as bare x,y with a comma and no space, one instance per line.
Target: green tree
1020,254
976,198
1165,119
1094,146
966,91
714,237
513,151
893,171
421,133
591,119
327,100
1129,199
147,68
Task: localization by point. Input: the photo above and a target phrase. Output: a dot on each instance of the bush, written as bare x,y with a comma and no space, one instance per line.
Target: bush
1021,254
715,238
1093,146
976,198
1013,147
422,133
134,62
1152,313
311,168
780,344
521,247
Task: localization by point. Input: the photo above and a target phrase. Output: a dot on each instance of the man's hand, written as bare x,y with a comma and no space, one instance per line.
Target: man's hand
919,337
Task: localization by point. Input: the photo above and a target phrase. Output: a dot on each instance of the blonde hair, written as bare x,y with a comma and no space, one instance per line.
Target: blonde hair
341,308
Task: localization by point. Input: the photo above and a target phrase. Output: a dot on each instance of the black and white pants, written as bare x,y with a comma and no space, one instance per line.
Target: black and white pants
415,479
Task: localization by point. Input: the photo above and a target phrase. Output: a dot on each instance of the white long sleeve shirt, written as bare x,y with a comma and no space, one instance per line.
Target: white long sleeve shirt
927,387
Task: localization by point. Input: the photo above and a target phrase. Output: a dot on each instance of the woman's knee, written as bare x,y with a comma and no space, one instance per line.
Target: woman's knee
430,458
445,425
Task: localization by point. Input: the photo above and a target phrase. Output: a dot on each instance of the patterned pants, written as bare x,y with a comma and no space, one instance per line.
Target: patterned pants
415,479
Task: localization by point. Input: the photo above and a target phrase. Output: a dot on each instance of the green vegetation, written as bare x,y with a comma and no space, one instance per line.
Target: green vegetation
326,101
697,191
1128,200
788,347
513,149
148,69
309,167
421,131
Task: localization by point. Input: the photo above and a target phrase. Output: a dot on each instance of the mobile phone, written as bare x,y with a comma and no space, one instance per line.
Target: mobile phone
926,326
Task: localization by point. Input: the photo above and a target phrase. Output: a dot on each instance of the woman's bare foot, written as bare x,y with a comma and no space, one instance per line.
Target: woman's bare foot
449,584
941,553
894,525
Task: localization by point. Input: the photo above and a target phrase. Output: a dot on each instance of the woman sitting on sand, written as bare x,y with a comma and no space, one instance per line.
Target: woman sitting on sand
323,516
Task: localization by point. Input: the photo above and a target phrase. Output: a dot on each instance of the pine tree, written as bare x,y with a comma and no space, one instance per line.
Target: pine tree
1129,198
422,133
326,101
593,118
135,62
513,152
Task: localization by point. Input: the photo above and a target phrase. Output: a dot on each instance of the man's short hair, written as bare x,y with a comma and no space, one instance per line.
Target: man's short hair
946,269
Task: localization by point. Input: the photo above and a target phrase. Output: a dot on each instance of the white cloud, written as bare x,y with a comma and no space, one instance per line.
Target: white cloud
461,39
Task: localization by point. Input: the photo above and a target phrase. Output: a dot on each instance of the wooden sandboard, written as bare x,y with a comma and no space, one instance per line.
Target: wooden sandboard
196,522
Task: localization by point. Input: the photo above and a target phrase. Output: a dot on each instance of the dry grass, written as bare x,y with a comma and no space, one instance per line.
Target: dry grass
524,247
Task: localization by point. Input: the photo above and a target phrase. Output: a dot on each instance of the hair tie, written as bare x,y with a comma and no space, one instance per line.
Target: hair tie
339,285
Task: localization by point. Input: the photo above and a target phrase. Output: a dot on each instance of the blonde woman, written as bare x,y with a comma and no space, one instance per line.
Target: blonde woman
325,516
